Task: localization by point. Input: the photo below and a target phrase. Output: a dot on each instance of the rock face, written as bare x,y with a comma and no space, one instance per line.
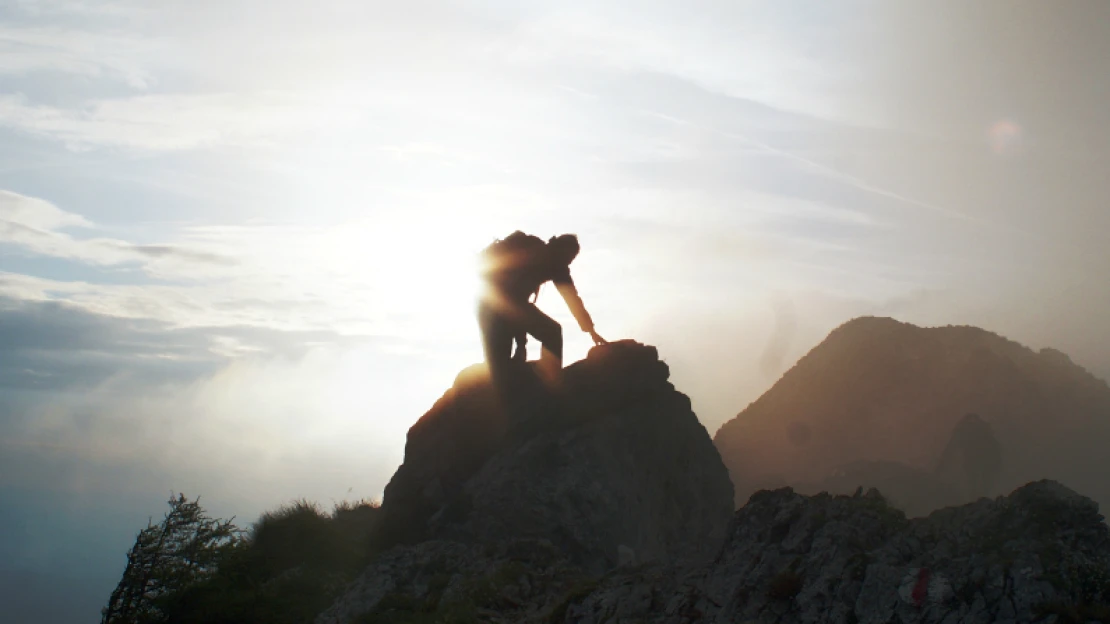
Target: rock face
1040,554
1042,551
889,394
514,580
612,462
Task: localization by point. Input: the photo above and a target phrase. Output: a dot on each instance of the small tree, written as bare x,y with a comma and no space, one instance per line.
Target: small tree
183,549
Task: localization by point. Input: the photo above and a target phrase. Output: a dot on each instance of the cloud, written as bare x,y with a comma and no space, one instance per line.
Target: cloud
33,225
176,122
82,8
99,404
848,179
737,49
117,397
115,56
58,346
37,213
391,276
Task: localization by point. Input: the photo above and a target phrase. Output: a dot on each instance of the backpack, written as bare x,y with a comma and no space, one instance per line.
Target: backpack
512,258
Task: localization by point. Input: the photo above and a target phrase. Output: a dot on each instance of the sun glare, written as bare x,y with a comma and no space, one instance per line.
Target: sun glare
416,274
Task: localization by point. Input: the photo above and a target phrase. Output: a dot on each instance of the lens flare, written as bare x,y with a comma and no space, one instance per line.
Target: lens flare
1004,136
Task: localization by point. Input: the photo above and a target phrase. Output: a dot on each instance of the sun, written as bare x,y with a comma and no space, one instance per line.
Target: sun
416,274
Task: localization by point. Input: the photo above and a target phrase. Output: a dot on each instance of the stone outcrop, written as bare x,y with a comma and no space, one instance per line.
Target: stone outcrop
613,458
543,489
1040,554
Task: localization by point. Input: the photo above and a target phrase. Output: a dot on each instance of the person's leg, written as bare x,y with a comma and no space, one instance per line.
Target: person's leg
550,334
497,341
521,353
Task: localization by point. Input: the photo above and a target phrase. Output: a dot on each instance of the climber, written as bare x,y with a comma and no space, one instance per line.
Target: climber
514,268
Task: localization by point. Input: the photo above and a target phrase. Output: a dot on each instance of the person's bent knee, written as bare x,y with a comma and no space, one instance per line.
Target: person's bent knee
554,343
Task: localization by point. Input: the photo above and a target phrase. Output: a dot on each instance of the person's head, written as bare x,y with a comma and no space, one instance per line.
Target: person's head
564,247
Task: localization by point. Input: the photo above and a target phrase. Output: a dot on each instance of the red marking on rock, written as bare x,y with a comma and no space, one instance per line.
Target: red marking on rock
921,588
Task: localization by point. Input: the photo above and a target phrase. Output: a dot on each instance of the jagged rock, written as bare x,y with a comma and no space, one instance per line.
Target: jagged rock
1042,551
514,580
614,457
877,390
1040,554
913,490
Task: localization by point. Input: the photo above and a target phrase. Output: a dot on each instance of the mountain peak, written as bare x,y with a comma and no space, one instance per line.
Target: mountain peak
883,397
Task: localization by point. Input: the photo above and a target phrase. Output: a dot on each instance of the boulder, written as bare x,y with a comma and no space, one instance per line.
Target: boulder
612,462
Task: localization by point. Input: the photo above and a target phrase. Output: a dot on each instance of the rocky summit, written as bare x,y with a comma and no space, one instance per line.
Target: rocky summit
547,487
932,416
612,463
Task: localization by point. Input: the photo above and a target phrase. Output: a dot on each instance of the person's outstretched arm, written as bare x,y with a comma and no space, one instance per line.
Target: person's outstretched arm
566,288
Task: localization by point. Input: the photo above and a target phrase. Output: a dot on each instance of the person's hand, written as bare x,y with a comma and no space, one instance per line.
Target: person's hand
598,340
521,354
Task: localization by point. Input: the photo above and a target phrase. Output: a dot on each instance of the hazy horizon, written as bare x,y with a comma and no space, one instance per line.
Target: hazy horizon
237,237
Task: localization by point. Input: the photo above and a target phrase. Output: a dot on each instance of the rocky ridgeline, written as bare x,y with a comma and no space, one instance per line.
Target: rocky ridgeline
606,502
1040,554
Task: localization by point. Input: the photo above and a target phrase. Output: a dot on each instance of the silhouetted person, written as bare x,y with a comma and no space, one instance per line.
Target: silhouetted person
515,268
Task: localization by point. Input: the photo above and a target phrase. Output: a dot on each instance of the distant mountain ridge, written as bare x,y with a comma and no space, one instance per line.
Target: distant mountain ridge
879,390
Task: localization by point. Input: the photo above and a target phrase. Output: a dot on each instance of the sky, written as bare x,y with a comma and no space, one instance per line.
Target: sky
237,237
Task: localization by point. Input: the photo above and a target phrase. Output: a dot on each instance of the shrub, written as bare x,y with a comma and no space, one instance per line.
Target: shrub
288,567
168,558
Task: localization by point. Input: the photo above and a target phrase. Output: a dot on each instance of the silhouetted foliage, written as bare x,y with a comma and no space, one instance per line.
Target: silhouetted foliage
293,563
286,569
184,549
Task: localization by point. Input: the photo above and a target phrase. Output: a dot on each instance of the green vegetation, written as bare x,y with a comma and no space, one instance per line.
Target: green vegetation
183,550
286,568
